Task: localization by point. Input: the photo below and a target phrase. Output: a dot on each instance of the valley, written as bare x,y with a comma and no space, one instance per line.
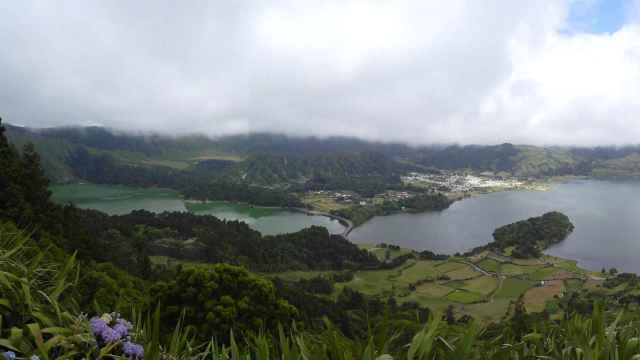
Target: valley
331,237
482,285
320,180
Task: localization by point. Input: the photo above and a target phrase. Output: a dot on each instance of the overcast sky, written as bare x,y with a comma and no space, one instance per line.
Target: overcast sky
490,71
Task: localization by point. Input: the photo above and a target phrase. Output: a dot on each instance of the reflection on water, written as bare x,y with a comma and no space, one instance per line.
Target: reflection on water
266,220
118,200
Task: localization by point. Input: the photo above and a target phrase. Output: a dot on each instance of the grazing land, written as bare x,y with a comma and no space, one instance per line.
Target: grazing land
484,285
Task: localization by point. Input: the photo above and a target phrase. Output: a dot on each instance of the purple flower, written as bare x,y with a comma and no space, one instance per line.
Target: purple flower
109,335
124,323
9,355
132,349
97,325
122,330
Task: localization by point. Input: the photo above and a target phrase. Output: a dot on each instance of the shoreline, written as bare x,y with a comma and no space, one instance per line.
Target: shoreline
348,224
543,185
539,185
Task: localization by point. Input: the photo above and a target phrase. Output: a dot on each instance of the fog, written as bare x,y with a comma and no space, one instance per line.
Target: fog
416,72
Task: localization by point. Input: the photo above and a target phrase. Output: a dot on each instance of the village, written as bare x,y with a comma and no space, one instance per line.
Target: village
455,184
462,182
345,197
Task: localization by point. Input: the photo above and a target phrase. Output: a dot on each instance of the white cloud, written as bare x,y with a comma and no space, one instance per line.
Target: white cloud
413,71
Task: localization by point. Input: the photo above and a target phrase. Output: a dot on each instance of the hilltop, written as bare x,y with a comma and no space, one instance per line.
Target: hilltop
264,158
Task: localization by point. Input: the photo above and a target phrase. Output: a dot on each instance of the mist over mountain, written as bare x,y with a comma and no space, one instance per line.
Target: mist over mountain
336,179
266,158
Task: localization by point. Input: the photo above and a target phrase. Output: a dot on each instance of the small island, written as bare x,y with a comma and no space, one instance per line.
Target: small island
528,238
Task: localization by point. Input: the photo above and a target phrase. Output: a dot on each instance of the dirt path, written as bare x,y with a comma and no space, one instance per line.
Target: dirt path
476,268
497,275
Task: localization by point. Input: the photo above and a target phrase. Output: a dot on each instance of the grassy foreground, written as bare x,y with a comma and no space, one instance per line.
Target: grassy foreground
39,319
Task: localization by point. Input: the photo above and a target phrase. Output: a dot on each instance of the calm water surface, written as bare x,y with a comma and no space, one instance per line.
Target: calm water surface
606,215
268,221
118,200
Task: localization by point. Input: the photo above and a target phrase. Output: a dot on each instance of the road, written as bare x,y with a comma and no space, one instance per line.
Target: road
342,220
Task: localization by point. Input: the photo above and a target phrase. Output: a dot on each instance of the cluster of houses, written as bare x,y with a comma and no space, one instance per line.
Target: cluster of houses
453,182
397,195
343,197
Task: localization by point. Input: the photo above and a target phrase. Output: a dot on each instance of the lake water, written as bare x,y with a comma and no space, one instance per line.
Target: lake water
606,215
268,221
118,200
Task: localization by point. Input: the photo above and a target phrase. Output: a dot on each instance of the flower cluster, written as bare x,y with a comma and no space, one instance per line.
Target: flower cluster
132,349
111,328
10,355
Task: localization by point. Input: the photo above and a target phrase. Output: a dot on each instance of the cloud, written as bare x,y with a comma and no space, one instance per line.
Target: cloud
410,71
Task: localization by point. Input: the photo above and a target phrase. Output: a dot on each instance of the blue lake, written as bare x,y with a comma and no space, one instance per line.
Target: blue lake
606,215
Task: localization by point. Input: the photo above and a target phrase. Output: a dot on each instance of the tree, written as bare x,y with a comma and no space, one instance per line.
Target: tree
221,297
11,195
519,319
35,185
531,236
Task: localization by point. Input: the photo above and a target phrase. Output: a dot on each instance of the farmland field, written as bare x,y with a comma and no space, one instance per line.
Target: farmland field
513,287
489,265
535,298
465,297
470,291
483,285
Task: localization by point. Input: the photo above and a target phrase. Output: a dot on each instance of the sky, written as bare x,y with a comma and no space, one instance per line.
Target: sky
544,72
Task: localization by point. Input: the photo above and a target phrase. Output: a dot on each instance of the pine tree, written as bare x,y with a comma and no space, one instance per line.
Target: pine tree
35,184
519,319
12,203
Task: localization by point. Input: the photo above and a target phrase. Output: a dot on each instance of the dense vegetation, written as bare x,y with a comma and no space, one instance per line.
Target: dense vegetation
359,214
128,240
270,169
267,159
496,158
529,237
226,312
41,318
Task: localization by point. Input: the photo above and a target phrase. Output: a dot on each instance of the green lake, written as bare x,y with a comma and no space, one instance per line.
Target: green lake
268,221
118,200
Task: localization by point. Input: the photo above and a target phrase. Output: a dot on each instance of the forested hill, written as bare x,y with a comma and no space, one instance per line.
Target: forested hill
267,169
267,158
73,281
528,238
129,240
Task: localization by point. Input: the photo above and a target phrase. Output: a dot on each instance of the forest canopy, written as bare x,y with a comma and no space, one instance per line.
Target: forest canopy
530,237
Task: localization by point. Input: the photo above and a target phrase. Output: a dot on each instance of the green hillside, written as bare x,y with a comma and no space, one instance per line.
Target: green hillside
79,284
295,163
538,161
56,152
